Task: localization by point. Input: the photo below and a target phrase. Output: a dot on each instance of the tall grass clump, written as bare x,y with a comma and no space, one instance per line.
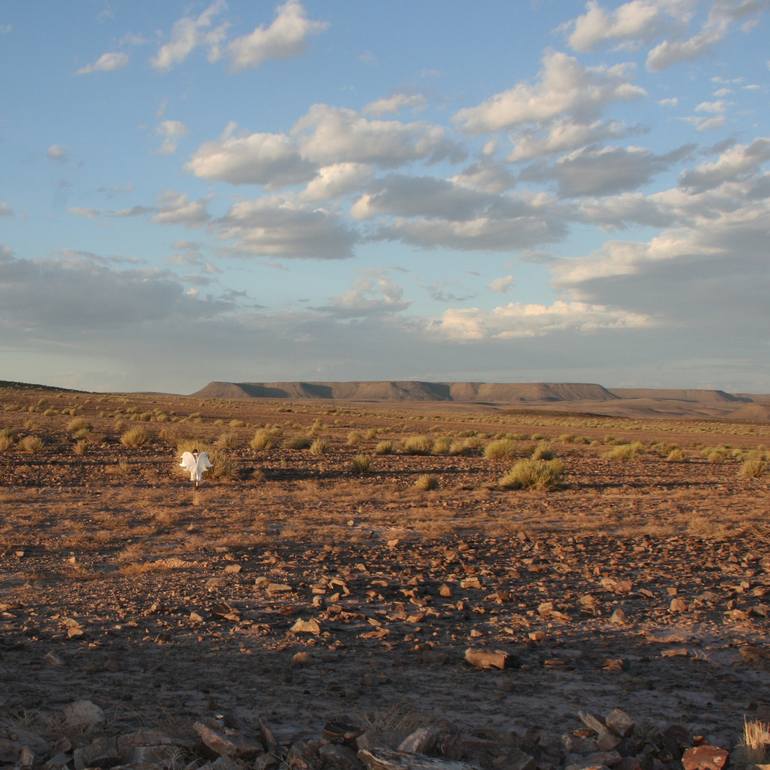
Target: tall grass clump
417,445
676,455
425,482
228,441
78,424
136,437
500,449
752,469
265,438
384,448
361,464
533,474
319,447
298,441
31,444
543,452
354,437
6,441
441,446
466,446
625,451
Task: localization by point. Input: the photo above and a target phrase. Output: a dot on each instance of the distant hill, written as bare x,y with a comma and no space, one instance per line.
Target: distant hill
561,397
32,386
412,390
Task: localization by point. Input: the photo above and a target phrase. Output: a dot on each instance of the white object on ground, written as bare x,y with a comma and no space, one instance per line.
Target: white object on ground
196,467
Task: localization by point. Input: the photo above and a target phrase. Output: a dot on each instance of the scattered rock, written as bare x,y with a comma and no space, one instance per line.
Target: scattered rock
487,659
83,715
705,758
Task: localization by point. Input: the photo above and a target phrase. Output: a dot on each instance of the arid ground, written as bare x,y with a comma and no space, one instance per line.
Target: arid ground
640,581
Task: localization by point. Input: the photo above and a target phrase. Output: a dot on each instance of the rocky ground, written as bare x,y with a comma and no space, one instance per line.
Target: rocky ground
299,614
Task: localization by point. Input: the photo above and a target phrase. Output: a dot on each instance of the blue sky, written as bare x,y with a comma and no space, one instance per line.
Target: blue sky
334,190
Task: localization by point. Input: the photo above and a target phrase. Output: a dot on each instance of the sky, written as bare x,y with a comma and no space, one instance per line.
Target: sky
539,190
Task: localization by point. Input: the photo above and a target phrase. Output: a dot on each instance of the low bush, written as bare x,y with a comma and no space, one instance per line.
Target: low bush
752,469
360,464
136,437
31,444
500,449
417,445
426,482
533,474
298,441
543,452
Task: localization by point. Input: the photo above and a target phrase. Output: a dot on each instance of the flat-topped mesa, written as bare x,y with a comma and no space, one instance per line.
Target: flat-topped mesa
680,394
411,390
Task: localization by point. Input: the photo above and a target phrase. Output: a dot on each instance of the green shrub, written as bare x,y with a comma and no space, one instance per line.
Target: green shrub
533,474
384,448
417,445
360,464
502,448
543,452
426,482
136,437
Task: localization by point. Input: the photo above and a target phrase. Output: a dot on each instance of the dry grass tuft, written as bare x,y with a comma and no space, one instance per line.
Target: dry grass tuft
755,743
319,447
384,448
265,438
299,441
543,452
502,448
31,444
533,474
625,451
136,437
361,464
426,482
675,456
417,445
752,469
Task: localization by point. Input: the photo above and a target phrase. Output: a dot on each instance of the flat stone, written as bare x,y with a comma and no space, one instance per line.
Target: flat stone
83,715
705,758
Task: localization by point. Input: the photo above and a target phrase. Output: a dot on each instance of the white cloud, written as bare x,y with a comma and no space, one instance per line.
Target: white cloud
486,176
534,320
371,295
171,131
259,158
563,135
737,162
189,33
722,15
177,209
564,87
395,103
337,179
285,37
328,135
501,285
107,62
57,152
605,170
631,22
279,227
87,213
5,210
671,101
701,123
715,107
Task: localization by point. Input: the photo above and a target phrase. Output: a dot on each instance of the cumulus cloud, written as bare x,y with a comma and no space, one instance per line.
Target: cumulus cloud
171,131
534,320
605,170
564,87
374,294
670,101
722,15
71,292
107,62
486,176
737,162
259,158
189,33
395,103
57,152
278,227
177,209
502,284
286,37
561,136
328,135
337,179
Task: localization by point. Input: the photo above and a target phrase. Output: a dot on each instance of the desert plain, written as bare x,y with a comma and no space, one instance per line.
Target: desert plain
353,574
